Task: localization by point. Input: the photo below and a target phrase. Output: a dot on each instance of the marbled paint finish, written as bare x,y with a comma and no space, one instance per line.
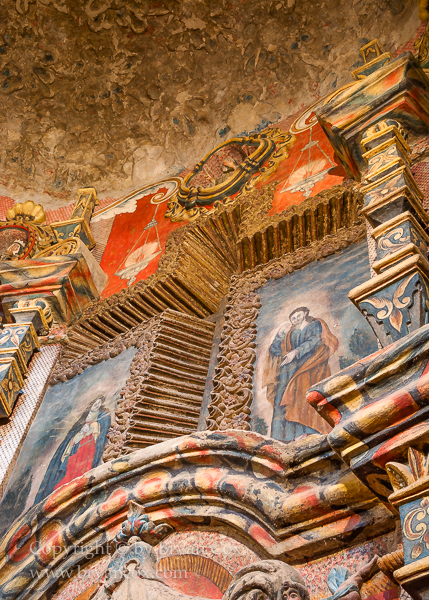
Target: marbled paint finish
238,479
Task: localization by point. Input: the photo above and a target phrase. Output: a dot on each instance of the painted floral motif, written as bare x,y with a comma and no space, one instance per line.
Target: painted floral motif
381,192
415,528
392,309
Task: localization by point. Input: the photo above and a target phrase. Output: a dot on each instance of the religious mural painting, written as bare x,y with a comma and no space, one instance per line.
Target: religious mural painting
307,330
138,235
80,451
310,167
68,435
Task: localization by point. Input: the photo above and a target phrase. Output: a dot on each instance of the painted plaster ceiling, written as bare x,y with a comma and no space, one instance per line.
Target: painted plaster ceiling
116,93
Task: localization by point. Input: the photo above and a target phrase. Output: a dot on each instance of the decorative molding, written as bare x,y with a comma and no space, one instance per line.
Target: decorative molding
163,395
395,301
238,483
130,393
389,563
64,371
194,274
192,277
263,237
378,408
18,342
232,394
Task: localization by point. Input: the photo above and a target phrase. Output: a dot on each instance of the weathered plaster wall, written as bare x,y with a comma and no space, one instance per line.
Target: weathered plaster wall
117,93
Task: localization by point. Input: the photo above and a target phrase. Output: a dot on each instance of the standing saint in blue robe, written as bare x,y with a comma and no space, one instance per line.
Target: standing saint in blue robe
297,359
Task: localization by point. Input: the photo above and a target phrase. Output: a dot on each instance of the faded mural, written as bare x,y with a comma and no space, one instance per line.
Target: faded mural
311,166
68,435
307,330
138,235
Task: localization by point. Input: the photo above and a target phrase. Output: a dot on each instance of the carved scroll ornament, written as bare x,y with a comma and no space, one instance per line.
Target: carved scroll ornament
226,171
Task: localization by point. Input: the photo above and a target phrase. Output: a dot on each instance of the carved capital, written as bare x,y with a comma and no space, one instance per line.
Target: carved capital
396,302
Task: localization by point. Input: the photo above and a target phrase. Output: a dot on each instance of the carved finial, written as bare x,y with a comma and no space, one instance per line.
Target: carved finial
371,50
401,475
374,56
138,525
26,212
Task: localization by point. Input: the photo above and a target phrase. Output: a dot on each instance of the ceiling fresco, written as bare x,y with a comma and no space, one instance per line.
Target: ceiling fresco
115,93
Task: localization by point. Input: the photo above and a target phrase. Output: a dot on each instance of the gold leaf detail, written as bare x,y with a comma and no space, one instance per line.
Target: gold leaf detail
400,475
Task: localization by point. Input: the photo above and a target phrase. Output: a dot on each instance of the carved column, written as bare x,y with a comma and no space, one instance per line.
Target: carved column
18,341
379,410
379,407
396,301
367,125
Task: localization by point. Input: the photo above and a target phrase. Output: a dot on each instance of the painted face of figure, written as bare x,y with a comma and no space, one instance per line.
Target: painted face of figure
96,404
228,165
298,317
94,409
14,249
291,594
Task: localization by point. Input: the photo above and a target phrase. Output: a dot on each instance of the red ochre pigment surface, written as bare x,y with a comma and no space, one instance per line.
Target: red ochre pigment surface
191,584
310,156
128,235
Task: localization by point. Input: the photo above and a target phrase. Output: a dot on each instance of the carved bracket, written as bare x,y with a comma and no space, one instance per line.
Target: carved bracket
17,344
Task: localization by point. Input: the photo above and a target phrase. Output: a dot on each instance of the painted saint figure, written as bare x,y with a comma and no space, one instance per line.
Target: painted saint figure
14,251
80,451
298,357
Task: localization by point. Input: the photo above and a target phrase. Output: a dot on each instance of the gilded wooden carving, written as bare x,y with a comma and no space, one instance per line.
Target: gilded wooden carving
23,235
200,258
163,394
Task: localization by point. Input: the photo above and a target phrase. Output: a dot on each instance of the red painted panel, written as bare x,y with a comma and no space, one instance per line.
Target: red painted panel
128,235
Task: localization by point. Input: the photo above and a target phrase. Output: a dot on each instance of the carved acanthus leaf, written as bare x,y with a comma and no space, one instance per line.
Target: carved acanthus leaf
402,475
